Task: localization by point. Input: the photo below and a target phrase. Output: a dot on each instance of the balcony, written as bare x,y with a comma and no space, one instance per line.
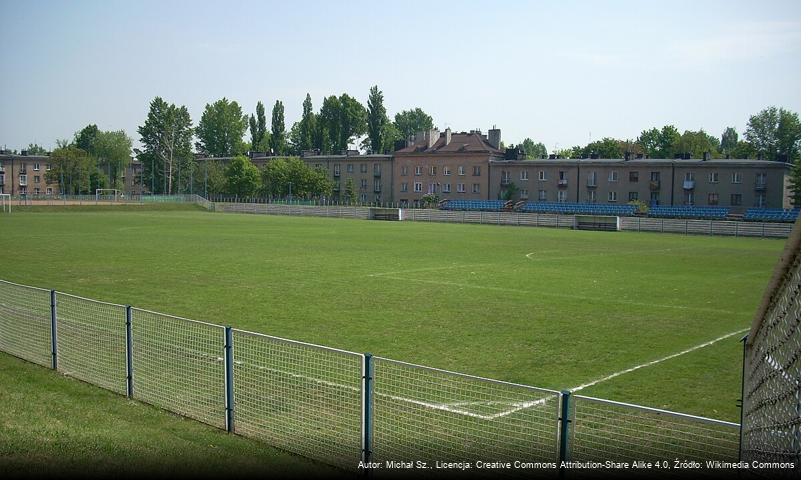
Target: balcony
377,173
23,182
655,184
688,184
760,186
562,182
377,189
505,181
591,184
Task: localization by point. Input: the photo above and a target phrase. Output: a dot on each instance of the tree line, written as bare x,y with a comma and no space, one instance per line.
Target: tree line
772,134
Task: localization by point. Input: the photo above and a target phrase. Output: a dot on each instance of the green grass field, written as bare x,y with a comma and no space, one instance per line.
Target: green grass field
545,307
57,427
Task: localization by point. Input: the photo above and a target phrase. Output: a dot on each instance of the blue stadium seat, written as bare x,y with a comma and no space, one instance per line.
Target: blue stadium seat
689,212
566,208
771,214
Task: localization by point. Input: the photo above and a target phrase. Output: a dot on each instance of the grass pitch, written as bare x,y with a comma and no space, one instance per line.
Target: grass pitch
545,307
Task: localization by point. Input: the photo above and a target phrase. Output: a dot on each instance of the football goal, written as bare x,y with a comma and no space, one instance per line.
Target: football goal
107,194
5,202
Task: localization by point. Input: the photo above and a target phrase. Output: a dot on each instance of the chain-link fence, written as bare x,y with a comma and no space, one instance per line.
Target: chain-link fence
341,407
771,421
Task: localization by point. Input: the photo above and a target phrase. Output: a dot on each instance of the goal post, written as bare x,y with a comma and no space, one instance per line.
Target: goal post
111,194
5,202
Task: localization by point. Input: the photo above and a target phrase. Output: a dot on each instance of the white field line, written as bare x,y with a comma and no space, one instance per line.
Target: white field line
654,362
600,254
430,269
516,406
560,295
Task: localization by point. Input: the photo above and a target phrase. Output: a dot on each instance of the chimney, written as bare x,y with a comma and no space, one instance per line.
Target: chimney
494,138
627,156
447,136
707,156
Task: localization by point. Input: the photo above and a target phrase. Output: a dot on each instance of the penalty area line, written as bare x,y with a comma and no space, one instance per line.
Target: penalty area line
659,360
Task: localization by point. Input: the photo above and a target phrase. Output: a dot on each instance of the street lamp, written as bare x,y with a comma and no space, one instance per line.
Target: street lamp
290,191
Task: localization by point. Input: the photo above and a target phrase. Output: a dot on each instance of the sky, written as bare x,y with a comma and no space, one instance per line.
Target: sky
560,72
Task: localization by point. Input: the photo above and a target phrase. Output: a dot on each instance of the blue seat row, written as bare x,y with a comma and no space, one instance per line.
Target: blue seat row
579,208
475,205
771,214
688,211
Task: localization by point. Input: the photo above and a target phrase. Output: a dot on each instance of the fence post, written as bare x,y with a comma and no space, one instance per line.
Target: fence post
367,407
128,352
742,400
564,429
229,379
53,331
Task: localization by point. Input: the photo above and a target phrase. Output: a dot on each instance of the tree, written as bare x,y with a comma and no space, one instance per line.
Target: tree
728,141
390,136
607,147
743,149
85,138
775,134
697,143
209,178
533,150
259,139
72,168
508,192
376,120
329,125
242,177
662,143
307,127
409,122
35,149
350,191
305,181
353,121
221,128
278,137
113,153
166,137
795,183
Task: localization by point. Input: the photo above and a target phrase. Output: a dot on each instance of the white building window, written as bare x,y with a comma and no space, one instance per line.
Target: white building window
460,170
713,177
446,188
523,175
737,177
561,196
418,170
543,176
543,196
418,186
476,188
460,187
613,196
446,170
613,176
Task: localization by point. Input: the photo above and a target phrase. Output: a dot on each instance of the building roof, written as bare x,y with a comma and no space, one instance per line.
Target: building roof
461,142
656,162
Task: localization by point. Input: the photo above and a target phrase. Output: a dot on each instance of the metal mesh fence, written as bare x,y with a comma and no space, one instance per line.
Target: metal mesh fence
25,322
178,365
772,375
91,341
603,430
302,398
427,414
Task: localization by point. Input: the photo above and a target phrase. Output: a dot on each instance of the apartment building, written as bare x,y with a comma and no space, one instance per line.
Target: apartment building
448,165
26,175
371,175
735,183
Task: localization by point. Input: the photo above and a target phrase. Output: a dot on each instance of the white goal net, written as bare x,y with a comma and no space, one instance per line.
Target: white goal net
107,194
5,202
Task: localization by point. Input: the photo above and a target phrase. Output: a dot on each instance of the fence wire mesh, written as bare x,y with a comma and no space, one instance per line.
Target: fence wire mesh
772,377
91,341
602,430
178,365
25,322
302,398
427,414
